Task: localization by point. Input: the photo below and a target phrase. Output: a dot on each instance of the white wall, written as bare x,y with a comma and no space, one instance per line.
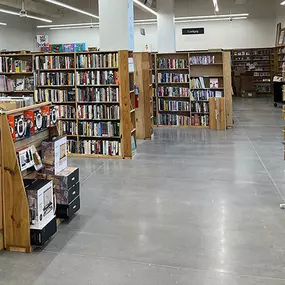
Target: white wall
88,36
227,35
19,34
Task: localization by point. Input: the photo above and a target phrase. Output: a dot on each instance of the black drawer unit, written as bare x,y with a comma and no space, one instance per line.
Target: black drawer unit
68,211
40,237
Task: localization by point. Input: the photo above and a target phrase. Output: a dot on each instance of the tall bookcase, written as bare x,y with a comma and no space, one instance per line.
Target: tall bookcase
95,94
261,62
279,58
184,83
17,74
143,82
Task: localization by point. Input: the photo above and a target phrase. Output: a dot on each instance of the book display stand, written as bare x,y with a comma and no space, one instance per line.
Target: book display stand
184,84
15,230
95,92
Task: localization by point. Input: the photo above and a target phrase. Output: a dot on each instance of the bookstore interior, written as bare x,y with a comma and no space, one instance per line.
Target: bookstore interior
74,92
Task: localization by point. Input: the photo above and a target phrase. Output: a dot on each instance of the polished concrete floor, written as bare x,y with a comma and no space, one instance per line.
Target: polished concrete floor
195,207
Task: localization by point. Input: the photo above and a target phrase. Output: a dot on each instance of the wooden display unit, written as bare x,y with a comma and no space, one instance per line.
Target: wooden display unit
18,66
91,81
258,60
143,81
184,83
16,216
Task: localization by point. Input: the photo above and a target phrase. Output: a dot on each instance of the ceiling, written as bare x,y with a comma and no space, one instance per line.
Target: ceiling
256,8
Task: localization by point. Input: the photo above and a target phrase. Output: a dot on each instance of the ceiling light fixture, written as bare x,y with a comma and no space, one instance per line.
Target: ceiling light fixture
145,7
282,3
27,16
66,25
78,27
210,20
213,16
216,6
3,24
71,8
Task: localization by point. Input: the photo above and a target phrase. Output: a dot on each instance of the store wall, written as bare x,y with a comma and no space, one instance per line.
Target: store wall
235,34
19,34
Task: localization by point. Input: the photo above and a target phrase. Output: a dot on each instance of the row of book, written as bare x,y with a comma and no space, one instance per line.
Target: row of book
17,102
199,83
98,112
67,111
17,84
202,59
200,120
100,147
55,78
54,62
13,64
199,95
168,105
72,146
102,129
173,120
68,128
55,95
200,107
97,60
167,77
196,120
97,77
173,91
172,63
92,94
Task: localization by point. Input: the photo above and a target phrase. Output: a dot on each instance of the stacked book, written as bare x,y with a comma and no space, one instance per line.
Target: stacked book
98,112
54,62
102,129
97,77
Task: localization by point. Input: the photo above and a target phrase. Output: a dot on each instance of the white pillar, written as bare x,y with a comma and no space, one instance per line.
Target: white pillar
116,24
166,26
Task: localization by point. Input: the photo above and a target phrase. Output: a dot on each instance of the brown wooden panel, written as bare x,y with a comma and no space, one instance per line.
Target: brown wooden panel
221,115
228,88
212,109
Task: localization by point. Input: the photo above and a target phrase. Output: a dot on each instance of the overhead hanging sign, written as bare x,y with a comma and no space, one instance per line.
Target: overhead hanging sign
193,31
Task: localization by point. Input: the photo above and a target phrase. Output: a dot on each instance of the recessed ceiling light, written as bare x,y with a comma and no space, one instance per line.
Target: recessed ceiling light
71,8
145,7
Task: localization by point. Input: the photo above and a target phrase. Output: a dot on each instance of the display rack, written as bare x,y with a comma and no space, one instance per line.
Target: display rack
17,74
143,82
258,60
279,58
95,92
16,216
184,83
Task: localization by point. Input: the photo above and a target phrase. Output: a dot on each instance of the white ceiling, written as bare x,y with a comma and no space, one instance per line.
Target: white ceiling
256,8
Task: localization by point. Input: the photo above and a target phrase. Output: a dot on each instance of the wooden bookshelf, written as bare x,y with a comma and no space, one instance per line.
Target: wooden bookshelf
14,208
184,83
16,67
88,75
261,61
143,81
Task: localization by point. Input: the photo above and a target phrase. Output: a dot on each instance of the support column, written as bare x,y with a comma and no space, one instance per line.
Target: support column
116,24
166,26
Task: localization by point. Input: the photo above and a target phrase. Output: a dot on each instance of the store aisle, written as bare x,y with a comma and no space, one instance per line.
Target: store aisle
195,207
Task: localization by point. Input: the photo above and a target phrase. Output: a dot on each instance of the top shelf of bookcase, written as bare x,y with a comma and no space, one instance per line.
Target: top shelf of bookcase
15,55
53,53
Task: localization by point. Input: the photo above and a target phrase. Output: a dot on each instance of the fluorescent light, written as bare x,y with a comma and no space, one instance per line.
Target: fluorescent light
283,3
78,27
213,16
28,16
38,18
3,24
9,12
209,20
145,7
71,8
66,25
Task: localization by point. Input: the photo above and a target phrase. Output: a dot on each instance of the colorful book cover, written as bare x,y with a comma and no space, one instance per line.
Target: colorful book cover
57,48
68,47
79,47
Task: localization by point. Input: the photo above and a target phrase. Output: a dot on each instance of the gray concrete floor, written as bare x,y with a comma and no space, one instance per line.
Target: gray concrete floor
195,207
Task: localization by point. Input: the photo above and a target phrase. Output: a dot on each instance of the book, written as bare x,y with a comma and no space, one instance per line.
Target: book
68,47
214,83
